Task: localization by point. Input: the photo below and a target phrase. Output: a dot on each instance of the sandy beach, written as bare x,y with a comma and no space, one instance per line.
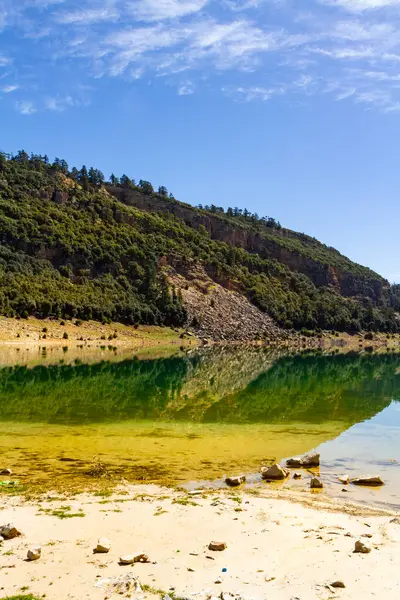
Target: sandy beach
278,546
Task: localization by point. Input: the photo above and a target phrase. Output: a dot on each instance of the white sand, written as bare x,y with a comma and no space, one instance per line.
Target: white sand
276,548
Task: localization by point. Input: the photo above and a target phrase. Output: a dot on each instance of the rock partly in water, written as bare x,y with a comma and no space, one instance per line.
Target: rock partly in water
275,472
374,480
9,531
345,480
217,546
297,476
235,481
103,545
6,472
361,548
34,553
304,462
316,484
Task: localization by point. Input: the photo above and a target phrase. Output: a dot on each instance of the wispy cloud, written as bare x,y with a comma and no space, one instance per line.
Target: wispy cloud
7,89
255,50
25,108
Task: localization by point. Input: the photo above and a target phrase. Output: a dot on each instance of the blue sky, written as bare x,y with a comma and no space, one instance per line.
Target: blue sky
288,107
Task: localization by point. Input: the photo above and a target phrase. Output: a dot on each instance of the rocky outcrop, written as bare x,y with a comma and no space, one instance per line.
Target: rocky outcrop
268,245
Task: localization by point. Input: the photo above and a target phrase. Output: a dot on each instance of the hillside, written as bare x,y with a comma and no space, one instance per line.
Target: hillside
74,246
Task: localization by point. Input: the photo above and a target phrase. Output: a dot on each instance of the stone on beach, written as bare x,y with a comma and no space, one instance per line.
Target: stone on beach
103,545
362,548
274,472
297,476
345,480
304,462
217,546
9,531
316,484
373,480
338,584
34,553
129,559
235,481
6,472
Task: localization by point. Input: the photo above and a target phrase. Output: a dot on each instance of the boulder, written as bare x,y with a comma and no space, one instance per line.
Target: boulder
217,546
34,553
368,480
304,462
274,472
9,531
361,548
103,545
316,484
6,472
235,481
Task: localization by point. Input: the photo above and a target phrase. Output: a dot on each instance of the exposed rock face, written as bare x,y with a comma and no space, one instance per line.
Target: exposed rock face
373,481
348,284
218,311
275,472
235,481
305,462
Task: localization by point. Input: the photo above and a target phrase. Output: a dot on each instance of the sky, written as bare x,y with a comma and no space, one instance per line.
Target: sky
290,108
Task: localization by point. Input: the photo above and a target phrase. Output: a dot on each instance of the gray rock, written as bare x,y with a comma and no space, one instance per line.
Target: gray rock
34,553
304,462
103,545
316,484
362,548
374,480
235,481
9,531
274,472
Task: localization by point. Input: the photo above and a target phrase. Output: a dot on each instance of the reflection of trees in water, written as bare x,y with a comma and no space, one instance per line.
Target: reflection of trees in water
223,384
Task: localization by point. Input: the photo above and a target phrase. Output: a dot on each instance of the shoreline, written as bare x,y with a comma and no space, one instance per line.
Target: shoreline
277,547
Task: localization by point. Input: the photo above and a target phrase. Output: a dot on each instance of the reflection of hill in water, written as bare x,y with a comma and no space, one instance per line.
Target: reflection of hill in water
224,384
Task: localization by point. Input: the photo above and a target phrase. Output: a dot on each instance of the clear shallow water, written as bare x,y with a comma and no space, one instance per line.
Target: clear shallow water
196,417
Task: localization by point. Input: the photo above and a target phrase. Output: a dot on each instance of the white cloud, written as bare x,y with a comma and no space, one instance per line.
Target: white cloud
7,89
25,108
158,10
348,50
359,6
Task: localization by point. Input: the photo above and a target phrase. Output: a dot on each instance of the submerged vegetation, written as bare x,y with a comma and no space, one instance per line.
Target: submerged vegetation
72,247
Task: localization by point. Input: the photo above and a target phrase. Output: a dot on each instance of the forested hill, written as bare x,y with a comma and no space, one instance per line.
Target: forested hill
75,246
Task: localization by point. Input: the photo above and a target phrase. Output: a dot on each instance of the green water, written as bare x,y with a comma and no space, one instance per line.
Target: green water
192,418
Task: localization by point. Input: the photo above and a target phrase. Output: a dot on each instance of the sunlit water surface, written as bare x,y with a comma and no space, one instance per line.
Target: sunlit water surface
190,419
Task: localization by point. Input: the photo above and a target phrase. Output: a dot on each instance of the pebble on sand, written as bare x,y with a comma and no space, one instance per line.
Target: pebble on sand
34,553
338,584
9,531
103,545
217,546
361,548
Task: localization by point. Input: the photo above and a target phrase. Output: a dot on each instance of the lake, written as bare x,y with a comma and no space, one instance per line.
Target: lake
189,419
